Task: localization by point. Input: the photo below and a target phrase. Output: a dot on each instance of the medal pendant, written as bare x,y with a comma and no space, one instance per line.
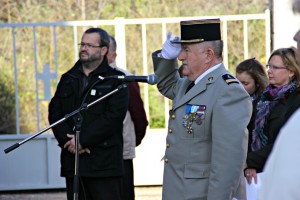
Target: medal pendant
198,121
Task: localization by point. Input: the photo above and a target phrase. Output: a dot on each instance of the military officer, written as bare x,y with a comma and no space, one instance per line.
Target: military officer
207,136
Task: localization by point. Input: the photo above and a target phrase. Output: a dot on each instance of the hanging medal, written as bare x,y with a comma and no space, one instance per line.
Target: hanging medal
186,116
193,113
200,114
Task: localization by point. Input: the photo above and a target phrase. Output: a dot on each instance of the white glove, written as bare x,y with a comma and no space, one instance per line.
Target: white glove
171,50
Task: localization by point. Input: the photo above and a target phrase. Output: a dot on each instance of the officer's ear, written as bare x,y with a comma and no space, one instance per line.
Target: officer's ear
210,54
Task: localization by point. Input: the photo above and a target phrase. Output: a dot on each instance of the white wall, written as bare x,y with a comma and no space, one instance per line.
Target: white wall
36,163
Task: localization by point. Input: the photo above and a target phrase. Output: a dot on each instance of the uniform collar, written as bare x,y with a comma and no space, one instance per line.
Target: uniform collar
207,72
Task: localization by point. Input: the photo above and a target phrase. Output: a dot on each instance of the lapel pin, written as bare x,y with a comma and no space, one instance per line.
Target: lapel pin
93,92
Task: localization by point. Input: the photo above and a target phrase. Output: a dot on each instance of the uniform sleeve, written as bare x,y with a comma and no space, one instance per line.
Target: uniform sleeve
231,115
168,76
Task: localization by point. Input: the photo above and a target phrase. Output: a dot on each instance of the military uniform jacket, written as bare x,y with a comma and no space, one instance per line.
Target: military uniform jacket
204,160
102,123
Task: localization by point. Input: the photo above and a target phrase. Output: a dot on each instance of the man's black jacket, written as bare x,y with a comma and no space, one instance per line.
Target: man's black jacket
101,129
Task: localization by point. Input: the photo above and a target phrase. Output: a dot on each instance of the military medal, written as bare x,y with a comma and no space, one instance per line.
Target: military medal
193,113
198,121
186,116
189,130
200,114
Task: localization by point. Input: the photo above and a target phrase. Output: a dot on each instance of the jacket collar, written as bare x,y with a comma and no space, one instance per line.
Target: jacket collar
76,70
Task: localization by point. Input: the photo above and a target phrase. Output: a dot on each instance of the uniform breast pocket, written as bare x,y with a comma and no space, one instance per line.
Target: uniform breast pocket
199,130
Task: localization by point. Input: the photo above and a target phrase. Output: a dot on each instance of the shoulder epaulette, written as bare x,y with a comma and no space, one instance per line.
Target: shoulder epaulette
229,79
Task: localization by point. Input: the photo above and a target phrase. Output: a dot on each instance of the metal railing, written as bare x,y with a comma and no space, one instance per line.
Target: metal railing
44,151
120,33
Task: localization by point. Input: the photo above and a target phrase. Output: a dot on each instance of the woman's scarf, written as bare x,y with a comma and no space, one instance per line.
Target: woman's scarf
267,101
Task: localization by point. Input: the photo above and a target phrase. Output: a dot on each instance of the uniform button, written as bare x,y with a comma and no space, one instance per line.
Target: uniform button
170,130
168,145
166,160
173,116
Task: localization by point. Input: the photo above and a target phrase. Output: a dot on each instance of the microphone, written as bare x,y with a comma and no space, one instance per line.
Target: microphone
150,79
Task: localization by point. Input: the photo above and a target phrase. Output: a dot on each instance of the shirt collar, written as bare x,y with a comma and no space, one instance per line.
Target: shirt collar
207,72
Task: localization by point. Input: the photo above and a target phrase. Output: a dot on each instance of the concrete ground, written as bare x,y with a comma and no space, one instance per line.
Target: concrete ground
141,193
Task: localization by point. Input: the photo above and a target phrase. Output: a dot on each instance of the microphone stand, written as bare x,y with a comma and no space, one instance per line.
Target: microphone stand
78,122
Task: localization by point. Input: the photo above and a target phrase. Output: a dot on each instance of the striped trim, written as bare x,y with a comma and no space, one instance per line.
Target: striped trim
193,40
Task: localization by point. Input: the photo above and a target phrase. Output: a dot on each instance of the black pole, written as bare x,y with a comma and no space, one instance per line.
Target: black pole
78,121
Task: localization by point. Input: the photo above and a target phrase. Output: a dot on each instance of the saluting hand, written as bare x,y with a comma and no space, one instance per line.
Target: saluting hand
171,50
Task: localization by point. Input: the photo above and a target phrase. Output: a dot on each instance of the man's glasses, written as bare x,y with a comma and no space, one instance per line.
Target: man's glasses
273,68
81,45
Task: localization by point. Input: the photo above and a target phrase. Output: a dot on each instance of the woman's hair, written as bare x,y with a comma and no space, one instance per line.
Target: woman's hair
257,71
290,59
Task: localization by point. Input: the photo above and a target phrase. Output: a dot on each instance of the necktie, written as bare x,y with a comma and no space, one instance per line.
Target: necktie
189,87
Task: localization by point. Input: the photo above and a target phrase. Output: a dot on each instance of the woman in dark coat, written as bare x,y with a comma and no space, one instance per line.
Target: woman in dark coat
272,108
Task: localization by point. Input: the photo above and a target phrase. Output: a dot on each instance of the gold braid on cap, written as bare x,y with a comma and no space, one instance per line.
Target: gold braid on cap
193,40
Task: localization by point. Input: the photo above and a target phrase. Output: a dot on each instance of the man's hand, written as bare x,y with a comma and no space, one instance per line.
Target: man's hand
171,50
70,145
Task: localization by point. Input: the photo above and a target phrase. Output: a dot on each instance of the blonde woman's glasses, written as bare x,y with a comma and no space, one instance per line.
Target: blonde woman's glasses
273,68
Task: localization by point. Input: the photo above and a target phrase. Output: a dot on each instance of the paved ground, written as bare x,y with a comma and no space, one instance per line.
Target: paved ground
141,193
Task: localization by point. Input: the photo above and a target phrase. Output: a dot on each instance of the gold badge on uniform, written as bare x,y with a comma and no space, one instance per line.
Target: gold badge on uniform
193,113
229,79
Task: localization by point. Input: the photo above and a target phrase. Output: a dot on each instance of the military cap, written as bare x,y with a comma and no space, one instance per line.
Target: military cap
196,31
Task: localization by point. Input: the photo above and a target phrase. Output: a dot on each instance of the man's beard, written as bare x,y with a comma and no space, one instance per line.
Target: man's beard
90,59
